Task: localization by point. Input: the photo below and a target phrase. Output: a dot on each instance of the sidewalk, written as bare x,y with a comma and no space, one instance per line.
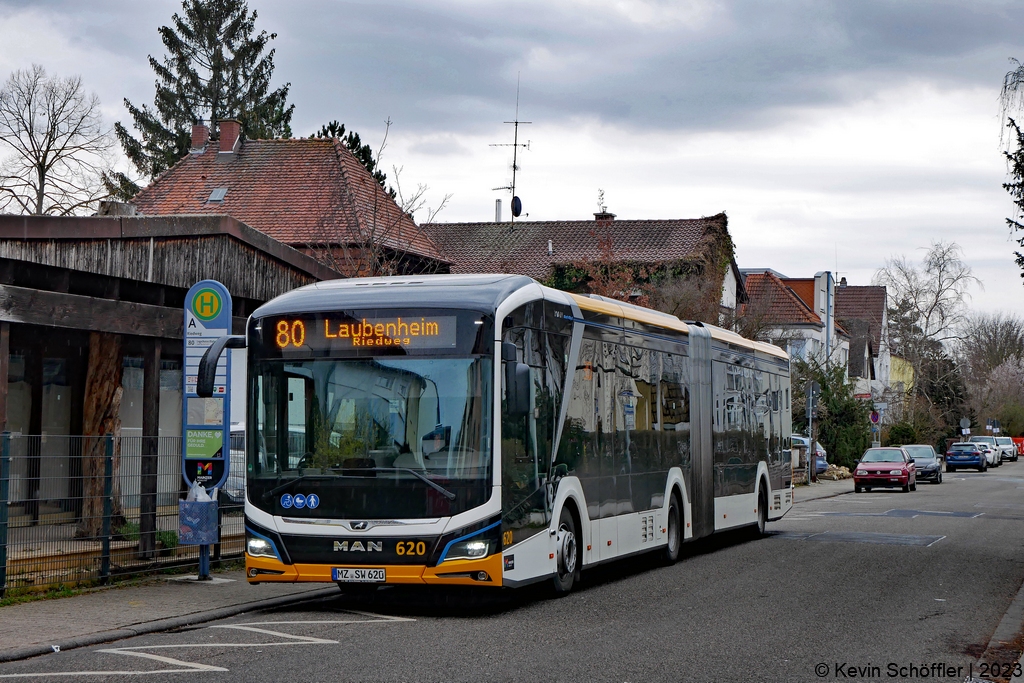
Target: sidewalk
822,489
158,604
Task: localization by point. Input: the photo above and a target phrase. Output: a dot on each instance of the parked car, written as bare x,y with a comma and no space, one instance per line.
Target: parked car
992,455
820,456
888,467
965,454
927,462
1007,449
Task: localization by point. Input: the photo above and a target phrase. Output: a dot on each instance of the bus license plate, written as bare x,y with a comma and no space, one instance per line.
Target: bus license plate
359,575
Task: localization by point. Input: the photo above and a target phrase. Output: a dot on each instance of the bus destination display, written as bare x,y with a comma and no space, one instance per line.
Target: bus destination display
342,332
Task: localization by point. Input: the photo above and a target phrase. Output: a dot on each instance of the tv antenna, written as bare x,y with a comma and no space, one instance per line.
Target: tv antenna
517,205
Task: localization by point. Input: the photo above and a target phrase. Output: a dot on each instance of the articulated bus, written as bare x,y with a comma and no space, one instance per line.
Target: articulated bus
486,430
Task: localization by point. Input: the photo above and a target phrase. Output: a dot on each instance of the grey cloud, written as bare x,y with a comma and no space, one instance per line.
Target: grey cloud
438,66
455,68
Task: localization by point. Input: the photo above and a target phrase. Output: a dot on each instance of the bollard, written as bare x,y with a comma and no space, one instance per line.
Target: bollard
5,475
108,485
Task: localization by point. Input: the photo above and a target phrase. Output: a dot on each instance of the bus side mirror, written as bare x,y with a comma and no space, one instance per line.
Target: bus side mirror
517,382
207,374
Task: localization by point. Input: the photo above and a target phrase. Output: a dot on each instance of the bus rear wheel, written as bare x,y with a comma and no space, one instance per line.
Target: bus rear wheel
566,553
674,529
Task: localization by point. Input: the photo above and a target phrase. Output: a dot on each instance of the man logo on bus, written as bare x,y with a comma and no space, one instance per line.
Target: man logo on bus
204,468
206,304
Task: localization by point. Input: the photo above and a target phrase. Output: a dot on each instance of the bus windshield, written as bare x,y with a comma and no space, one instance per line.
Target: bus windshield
370,438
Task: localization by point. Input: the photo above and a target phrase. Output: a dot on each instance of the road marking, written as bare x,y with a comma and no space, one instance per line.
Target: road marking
145,651
861,537
908,514
185,667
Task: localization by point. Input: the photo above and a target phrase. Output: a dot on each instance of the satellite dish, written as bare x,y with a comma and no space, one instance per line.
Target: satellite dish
517,207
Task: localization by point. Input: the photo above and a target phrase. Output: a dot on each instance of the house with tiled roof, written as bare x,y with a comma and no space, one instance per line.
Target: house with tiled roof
549,251
798,314
862,311
311,194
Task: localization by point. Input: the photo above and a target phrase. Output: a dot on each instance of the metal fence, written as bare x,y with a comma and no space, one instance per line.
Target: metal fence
77,509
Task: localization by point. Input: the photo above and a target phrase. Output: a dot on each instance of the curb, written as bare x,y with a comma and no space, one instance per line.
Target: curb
831,495
16,654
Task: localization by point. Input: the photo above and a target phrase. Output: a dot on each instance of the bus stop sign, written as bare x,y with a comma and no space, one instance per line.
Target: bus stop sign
205,442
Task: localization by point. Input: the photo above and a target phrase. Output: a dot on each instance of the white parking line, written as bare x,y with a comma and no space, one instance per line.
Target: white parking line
145,651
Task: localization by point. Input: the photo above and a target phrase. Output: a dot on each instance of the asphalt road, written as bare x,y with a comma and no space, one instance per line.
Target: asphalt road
881,579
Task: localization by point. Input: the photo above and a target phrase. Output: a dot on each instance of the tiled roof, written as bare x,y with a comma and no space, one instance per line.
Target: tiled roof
803,287
865,303
771,297
298,191
523,247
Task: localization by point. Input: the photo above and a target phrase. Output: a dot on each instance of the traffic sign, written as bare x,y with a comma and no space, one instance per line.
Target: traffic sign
965,423
206,422
874,417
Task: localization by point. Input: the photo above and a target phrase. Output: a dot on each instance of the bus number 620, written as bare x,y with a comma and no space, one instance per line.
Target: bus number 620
411,548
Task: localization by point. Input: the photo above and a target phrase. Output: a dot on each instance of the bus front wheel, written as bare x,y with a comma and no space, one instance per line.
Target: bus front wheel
567,553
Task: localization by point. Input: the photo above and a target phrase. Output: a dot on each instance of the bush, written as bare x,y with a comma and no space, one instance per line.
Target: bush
128,531
901,434
167,539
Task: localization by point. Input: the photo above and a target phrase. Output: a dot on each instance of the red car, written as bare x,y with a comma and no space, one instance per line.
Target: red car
885,468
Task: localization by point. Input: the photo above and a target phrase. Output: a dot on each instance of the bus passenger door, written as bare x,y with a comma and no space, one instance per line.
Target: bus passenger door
702,491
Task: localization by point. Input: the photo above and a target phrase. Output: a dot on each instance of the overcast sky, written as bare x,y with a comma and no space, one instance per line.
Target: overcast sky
833,134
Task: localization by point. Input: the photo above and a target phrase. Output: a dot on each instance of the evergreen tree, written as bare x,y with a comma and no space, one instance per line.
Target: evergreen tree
364,153
215,68
1015,165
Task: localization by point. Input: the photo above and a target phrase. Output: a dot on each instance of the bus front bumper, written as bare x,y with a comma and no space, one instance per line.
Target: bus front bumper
485,572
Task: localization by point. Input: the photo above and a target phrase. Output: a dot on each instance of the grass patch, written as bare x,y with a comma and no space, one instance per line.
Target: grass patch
17,596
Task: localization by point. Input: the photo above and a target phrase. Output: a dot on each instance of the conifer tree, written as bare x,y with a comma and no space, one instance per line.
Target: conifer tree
215,68
364,153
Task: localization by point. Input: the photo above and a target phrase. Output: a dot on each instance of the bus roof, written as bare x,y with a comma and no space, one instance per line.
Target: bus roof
478,292
667,321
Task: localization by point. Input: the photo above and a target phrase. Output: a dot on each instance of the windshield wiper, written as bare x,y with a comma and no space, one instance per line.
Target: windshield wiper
288,483
422,477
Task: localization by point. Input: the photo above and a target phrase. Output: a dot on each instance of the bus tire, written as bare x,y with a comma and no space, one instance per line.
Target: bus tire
674,529
567,553
762,512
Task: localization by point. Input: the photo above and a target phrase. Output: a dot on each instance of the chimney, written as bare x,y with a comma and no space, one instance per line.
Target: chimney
497,210
842,282
604,216
230,135
200,136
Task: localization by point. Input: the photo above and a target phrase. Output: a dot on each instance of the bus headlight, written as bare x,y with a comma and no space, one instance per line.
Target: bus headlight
258,547
472,549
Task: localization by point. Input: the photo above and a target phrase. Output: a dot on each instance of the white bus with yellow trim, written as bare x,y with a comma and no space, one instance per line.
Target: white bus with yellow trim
486,430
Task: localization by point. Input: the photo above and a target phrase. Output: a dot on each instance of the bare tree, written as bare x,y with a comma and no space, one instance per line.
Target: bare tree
930,301
927,309
991,357
416,201
385,239
58,143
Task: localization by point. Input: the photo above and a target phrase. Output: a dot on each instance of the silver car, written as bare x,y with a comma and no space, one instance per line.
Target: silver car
990,448
1007,449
